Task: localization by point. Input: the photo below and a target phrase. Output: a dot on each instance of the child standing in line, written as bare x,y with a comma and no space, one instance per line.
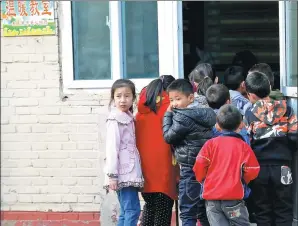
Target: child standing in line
202,77
123,168
234,78
218,95
272,126
160,188
264,68
187,127
224,166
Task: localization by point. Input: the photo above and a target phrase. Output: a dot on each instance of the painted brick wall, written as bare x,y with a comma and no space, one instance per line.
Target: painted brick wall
51,146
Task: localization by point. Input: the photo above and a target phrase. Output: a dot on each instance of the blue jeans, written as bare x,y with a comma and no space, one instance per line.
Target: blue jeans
227,212
130,206
191,206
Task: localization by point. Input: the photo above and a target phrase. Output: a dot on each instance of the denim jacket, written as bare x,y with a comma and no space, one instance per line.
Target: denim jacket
239,101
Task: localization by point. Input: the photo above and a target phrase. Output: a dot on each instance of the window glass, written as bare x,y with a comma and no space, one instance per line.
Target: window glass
291,43
91,40
140,39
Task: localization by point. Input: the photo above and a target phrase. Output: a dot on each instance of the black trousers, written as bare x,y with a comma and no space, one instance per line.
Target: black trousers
272,196
157,210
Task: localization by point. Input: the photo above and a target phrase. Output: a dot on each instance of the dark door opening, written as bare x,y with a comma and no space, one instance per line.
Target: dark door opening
215,31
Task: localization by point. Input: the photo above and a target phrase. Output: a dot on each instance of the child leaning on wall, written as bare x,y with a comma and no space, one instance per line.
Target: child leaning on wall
123,172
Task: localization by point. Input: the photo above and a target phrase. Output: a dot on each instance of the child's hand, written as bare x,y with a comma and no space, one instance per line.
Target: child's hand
113,184
170,108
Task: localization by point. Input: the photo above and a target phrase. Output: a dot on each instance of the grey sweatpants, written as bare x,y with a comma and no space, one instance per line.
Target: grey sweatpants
227,212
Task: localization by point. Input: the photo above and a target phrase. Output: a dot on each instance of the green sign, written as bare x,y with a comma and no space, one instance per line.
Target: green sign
26,18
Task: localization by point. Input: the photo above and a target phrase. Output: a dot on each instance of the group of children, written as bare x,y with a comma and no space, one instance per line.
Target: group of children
232,142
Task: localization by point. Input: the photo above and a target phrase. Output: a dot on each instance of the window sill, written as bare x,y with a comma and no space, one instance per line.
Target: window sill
101,85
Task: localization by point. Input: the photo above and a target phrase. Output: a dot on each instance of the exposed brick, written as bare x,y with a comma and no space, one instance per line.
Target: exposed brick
4,102
39,180
24,172
54,146
69,146
23,155
83,119
16,163
11,146
7,111
39,129
38,146
6,58
83,137
36,58
21,58
46,198
23,119
23,110
39,163
53,155
23,102
70,181
21,93
36,75
53,119
46,111
6,93
8,129
69,198
24,198
48,84
76,110
84,155
37,93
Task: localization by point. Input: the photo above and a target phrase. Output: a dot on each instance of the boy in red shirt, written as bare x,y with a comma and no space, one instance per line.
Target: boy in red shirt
224,166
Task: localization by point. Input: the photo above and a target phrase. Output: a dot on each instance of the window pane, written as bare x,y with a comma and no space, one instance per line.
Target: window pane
292,43
140,39
91,40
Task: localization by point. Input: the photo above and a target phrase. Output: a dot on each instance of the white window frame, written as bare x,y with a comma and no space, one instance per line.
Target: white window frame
283,40
169,45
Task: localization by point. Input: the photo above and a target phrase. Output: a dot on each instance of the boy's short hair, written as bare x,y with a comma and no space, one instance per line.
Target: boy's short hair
181,85
233,77
229,117
217,95
258,84
265,69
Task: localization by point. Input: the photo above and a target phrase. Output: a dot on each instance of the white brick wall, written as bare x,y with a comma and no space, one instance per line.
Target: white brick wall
51,150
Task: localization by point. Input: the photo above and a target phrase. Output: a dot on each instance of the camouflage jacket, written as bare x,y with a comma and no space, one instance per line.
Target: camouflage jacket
272,126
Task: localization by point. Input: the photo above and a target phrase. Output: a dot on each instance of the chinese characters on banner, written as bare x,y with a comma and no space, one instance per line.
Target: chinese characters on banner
26,18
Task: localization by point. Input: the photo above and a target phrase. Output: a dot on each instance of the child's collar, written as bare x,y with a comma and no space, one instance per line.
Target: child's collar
227,133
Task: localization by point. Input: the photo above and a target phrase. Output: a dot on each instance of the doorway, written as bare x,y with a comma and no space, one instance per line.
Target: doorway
214,31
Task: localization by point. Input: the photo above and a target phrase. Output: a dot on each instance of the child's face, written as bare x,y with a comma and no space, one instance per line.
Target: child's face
180,100
123,98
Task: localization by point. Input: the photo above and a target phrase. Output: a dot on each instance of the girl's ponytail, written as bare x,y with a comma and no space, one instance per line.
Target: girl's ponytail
153,90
